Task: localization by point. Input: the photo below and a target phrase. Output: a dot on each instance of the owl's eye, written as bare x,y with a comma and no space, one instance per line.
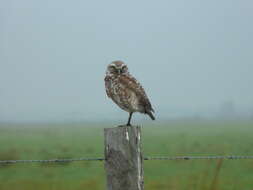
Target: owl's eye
124,69
112,68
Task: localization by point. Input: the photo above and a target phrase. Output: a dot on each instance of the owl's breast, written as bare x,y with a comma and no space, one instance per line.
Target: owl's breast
124,97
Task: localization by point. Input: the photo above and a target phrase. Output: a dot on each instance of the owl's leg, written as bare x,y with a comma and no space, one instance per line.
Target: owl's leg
129,119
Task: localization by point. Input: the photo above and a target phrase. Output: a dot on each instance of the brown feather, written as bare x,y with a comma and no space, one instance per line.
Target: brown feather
108,86
132,84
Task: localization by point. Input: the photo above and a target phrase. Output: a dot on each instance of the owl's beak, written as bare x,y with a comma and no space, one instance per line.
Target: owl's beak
119,71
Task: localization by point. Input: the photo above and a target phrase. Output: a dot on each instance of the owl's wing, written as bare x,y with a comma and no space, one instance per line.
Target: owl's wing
132,84
108,86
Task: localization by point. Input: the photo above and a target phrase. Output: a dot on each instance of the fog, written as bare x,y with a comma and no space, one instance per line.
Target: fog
194,58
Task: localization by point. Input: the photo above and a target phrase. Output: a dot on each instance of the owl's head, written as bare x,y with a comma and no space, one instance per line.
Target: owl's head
117,67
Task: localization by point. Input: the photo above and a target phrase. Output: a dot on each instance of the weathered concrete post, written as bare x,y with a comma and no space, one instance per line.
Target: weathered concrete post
123,154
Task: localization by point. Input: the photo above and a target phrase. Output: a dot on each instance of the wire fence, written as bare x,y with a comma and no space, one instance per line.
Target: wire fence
50,160
199,158
145,158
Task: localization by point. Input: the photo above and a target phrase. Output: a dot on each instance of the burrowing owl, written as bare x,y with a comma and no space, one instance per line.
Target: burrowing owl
126,91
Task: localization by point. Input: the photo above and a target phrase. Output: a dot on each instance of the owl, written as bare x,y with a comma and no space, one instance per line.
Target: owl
126,91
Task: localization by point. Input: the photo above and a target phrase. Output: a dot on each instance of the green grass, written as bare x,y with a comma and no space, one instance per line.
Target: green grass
174,139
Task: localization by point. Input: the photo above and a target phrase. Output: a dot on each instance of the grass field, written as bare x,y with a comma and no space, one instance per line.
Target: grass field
173,139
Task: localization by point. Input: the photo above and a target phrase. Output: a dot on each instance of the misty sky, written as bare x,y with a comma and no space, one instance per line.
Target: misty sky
190,56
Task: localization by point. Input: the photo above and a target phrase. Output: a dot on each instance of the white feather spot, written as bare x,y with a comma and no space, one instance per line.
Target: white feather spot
139,136
127,137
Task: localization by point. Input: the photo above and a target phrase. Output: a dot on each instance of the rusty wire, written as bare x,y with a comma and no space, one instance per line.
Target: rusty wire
145,158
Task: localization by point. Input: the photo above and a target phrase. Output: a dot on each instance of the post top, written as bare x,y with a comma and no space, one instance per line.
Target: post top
123,127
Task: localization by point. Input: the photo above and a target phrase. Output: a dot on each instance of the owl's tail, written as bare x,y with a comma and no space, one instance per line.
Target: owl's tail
150,115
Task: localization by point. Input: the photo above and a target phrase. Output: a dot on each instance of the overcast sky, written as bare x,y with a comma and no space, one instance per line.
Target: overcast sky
190,56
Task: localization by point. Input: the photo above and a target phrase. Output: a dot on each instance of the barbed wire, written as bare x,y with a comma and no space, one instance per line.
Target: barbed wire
199,158
50,160
145,158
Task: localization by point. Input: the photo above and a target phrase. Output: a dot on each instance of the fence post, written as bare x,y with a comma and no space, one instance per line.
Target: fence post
123,154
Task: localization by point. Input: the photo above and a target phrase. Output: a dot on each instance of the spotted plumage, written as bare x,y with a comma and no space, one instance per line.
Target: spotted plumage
126,91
